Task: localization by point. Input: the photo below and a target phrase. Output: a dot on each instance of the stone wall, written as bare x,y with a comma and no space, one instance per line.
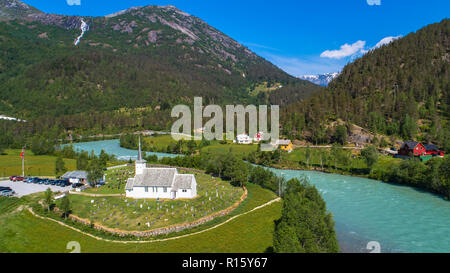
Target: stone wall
178,168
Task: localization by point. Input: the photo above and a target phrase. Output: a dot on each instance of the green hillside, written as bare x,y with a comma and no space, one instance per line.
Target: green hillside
136,63
401,89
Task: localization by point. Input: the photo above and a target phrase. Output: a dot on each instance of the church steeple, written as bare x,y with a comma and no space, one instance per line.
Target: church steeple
139,152
140,163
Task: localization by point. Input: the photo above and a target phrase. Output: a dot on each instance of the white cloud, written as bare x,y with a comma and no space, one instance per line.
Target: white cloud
74,2
346,50
386,41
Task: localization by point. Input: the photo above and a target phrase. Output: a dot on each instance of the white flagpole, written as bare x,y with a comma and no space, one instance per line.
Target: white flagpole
23,162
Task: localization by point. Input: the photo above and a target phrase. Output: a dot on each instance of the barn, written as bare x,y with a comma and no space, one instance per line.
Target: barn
433,150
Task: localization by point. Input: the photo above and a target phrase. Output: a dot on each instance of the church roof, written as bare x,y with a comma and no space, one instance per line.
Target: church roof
183,181
155,177
161,177
129,185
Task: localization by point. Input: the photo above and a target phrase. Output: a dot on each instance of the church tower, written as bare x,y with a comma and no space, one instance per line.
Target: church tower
141,164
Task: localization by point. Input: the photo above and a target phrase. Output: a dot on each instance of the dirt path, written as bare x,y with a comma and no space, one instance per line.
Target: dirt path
156,240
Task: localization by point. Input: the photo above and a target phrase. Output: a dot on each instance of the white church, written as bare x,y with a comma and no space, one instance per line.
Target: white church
163,183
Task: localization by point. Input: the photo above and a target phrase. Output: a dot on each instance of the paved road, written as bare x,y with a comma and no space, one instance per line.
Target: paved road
22,188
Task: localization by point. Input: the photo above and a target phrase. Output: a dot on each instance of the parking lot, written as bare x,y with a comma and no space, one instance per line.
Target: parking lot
22,188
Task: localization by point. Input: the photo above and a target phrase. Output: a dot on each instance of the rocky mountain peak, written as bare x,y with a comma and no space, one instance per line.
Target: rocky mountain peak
12,9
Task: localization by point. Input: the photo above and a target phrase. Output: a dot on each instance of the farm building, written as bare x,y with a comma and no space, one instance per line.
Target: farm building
166,183
416,149
285,145
76,177
243,139
433,150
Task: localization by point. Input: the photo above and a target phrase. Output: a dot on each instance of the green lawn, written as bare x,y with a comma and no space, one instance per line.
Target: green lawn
161,142
252,233
158,142
43,165
237,149
116,179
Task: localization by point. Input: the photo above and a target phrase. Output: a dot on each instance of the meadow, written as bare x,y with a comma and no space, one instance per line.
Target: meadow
223,149
42,165
160,143
353,163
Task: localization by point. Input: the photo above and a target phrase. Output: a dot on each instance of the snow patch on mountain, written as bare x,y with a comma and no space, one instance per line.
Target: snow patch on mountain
321,79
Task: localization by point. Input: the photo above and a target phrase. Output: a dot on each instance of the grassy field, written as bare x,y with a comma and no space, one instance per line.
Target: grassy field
357,164
251,233
43,165
237,149
262,87
159,142
116,179
299,155
128,214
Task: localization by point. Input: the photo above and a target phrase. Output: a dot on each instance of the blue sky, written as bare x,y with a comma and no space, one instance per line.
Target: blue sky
301,37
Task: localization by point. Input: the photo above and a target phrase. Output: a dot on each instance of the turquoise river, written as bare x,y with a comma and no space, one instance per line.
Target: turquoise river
398,218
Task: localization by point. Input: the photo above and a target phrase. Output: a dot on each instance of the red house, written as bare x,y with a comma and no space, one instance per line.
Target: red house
433,150
412,148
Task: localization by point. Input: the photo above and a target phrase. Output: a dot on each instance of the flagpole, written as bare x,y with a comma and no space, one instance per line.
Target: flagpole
23,165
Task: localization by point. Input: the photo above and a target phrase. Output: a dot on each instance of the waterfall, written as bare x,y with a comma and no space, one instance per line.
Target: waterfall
84,28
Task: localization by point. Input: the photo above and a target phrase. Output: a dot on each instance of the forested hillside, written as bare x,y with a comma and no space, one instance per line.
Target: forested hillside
401,89
129,69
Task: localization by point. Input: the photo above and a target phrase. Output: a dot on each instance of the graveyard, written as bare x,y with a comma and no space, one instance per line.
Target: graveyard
119,212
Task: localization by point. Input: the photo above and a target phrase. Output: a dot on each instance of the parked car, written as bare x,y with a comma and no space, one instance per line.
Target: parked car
77,185
17,178
62,183
7,193
5,188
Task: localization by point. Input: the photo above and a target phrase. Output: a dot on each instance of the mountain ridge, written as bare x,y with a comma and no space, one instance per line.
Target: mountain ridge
320,79
148,58
398,90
